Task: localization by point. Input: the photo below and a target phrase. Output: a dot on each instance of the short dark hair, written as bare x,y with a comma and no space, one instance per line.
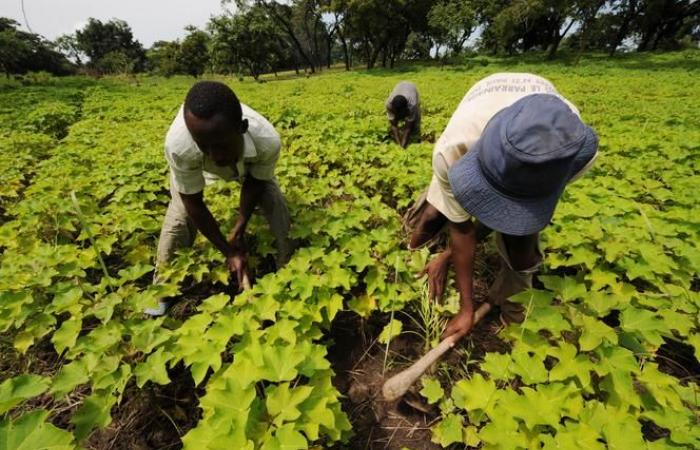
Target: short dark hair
205,99
399,104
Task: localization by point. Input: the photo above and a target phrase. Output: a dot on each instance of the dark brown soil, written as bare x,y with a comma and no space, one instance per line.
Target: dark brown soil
678,359
362,366
359,364
155,417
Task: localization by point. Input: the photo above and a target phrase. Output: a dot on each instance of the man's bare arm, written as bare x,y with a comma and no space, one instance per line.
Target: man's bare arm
408,129
463,251
395,131
429,224
205,222
251,191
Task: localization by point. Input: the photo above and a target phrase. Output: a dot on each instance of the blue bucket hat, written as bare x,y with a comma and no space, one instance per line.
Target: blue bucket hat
513,176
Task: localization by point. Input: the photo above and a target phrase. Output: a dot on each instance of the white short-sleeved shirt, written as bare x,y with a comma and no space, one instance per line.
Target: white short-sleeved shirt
486,98
191,169
410,92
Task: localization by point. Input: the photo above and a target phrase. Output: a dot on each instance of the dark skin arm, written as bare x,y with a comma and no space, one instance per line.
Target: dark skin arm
206,223
437,268
408,129
395,131
462,253
251,192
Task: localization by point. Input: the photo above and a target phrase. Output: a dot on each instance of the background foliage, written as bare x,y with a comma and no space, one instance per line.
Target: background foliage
258,36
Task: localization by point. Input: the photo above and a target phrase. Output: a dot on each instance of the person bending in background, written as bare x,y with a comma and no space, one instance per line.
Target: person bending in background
404,104
213,137
501,165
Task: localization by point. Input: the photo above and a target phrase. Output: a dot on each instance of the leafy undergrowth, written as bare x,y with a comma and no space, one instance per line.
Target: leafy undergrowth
606,358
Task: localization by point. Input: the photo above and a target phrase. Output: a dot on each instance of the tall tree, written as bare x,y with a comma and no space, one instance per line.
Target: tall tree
627,11
21,52
162,58
451,22
246,40
114,38
193,54
339,10
283,16
664,22
373,24
68,45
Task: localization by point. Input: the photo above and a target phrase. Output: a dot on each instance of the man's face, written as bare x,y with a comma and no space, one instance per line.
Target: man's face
217,137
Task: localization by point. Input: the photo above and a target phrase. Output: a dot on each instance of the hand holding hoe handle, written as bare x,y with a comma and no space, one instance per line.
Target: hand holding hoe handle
397,385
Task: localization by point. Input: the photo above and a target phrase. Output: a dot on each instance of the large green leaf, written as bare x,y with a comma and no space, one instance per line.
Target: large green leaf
17,389
283,402
32,432
432,390
93,413
448,431
474,394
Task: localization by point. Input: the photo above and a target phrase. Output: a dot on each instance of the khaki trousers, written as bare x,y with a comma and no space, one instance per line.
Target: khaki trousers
179,231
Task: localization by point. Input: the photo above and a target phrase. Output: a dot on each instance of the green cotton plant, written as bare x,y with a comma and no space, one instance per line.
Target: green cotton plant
86,228
52,118
618,281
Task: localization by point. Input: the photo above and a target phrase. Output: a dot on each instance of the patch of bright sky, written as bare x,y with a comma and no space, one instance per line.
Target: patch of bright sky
150,20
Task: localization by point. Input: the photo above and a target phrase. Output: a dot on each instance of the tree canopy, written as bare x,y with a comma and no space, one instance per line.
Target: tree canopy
22,52
257,36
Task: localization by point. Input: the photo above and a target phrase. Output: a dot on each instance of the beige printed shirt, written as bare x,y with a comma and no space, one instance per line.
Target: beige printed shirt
486,98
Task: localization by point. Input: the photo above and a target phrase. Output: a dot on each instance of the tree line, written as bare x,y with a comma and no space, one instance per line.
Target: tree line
257,36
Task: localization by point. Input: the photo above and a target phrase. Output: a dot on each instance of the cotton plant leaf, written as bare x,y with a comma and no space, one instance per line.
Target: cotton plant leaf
390,331
475,393
32,431
448,431
431,390
15,390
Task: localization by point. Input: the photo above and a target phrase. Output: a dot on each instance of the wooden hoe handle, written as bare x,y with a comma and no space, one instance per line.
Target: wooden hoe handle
396,386
246,282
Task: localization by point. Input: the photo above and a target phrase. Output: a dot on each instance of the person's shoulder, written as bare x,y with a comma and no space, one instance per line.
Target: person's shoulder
407,84
178,141
266,139
258,125
255,119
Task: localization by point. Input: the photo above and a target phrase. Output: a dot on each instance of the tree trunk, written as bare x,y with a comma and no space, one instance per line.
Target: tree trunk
644,43
317,46
557,40
290,32
329,49
660,34
586,27
346,55
624,28
459,45
373,57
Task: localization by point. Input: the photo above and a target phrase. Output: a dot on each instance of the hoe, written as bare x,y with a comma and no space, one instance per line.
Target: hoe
396,386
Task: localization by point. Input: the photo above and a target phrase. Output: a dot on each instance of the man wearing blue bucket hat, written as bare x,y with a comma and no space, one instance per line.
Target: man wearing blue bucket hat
501,165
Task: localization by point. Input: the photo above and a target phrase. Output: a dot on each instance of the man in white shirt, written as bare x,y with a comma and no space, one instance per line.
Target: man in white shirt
213,137
403,104
500,165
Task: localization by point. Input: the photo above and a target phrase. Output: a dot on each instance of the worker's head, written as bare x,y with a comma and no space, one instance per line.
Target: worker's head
399,106
214,119
512,178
